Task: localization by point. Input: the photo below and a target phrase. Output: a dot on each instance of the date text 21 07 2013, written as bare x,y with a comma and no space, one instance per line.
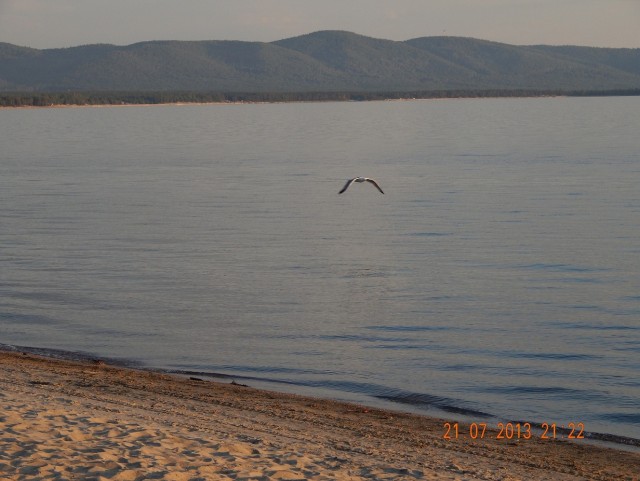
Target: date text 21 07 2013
510,430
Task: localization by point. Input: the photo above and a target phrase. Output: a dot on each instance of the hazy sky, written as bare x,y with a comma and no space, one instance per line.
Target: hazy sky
64,23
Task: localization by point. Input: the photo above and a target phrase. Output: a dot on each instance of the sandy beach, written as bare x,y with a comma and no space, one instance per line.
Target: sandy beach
92,421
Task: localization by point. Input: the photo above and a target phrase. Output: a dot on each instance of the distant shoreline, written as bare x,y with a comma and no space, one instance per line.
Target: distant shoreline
78,106
113,99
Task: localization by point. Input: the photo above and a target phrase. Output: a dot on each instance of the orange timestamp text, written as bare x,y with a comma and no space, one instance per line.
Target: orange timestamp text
511,430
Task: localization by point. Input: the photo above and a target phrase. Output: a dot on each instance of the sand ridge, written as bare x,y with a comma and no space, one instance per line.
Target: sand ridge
62,420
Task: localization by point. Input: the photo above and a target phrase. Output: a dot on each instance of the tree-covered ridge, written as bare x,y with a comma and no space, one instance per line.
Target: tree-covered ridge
327,61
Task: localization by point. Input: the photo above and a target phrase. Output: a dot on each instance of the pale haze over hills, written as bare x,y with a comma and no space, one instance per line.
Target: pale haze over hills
320,61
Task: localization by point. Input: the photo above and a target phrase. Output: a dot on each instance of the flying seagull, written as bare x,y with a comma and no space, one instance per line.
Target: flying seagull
360,180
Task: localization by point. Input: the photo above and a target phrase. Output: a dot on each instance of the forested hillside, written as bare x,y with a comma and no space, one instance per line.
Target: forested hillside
318,62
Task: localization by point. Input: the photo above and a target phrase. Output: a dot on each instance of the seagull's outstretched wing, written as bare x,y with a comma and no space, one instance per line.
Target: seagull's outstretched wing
346,186
374,183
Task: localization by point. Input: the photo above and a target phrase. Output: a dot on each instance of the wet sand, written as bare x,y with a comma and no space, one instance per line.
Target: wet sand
91,421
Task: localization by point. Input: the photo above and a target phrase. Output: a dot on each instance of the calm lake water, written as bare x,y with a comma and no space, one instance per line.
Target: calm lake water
499,274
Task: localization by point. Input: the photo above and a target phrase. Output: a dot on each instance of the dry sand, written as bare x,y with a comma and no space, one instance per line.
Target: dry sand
90,421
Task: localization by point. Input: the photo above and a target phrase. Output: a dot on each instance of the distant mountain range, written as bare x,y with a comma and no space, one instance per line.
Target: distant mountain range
320,61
